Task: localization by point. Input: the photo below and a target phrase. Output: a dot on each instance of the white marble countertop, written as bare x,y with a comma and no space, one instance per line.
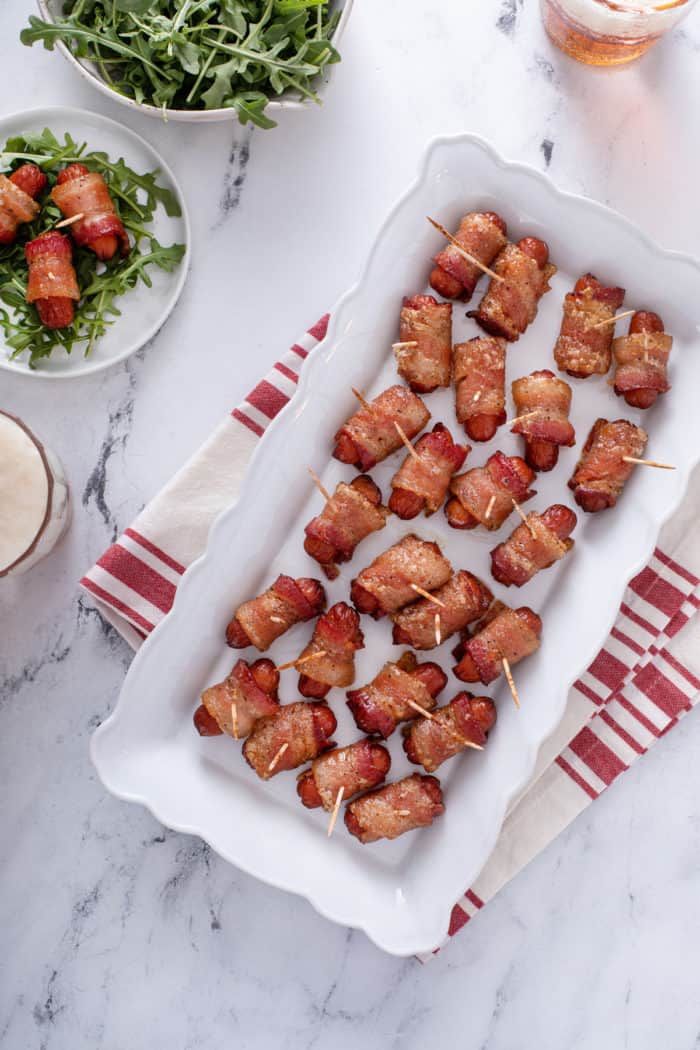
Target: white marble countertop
119,934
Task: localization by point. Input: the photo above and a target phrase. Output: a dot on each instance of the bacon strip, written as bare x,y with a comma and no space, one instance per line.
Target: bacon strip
82,192
354,768
535,544
482,235
305,728
422,483
642,359
337,635
464,599
543,402
390,811
385,586
601,472
428,323
479,367
242,688
379,706
261,620
510,305
510,633
17,203
52,283
354,512
369,436
582,349
484,495
466,719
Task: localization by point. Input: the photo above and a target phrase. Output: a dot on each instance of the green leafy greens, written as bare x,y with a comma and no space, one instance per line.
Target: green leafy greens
199,54
136,196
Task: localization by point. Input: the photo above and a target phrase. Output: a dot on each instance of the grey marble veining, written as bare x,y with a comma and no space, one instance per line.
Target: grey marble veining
118,933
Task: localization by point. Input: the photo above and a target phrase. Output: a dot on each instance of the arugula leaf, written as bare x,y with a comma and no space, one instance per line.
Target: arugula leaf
137,195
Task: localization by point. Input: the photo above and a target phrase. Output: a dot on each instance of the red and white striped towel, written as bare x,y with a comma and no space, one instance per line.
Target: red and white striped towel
636,689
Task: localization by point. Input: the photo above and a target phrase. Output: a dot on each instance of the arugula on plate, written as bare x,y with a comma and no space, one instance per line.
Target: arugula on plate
137,197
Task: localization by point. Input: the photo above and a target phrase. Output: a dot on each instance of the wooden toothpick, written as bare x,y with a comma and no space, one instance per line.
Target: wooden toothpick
509,675
458,247
612,320
334,814
361,398
476,397
317,482
405,345
69,222
277,757
302,660
438,630
234,720
487,515
428,595
517,419
421,710
407,443
648,463
523,517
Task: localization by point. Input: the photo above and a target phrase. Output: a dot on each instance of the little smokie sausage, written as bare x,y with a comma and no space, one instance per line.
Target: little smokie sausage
482,235
484,495
510,633
585,339
465,720
601,472
393,810
79,191
389,582
642,359
510,303
248,693
535,544
543,402
370,434
422,480
394,694
18,193
336,638
462,600
353,513
261,620
355,768
52,283
294,734
425,334
479,367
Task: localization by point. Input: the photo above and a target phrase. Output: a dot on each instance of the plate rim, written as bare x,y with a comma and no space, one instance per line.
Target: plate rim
93,367
402,944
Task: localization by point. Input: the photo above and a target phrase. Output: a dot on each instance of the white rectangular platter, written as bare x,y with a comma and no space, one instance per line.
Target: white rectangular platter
401,893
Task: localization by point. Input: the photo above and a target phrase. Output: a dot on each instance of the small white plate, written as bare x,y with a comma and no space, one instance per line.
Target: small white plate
143,310
401,893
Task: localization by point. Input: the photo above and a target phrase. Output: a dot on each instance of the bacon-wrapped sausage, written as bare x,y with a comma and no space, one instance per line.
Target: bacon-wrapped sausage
353,513
484,495
641,358
248,693
18,194
337,635
583,349
420,484
510,304
386,585
479,367
601,472
535,544
463,599
379,706
482,235
465,720
304,728
390,811
369,436
263,619
510,633
85,193
52,284
543,402
428,324
355,768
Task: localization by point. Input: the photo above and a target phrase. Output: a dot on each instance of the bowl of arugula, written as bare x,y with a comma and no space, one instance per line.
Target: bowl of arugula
198,60
123,302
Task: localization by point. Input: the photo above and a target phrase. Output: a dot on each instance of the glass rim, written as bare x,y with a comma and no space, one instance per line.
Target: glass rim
624,8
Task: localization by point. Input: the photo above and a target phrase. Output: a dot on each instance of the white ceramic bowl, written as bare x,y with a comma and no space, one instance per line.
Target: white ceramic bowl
51,9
